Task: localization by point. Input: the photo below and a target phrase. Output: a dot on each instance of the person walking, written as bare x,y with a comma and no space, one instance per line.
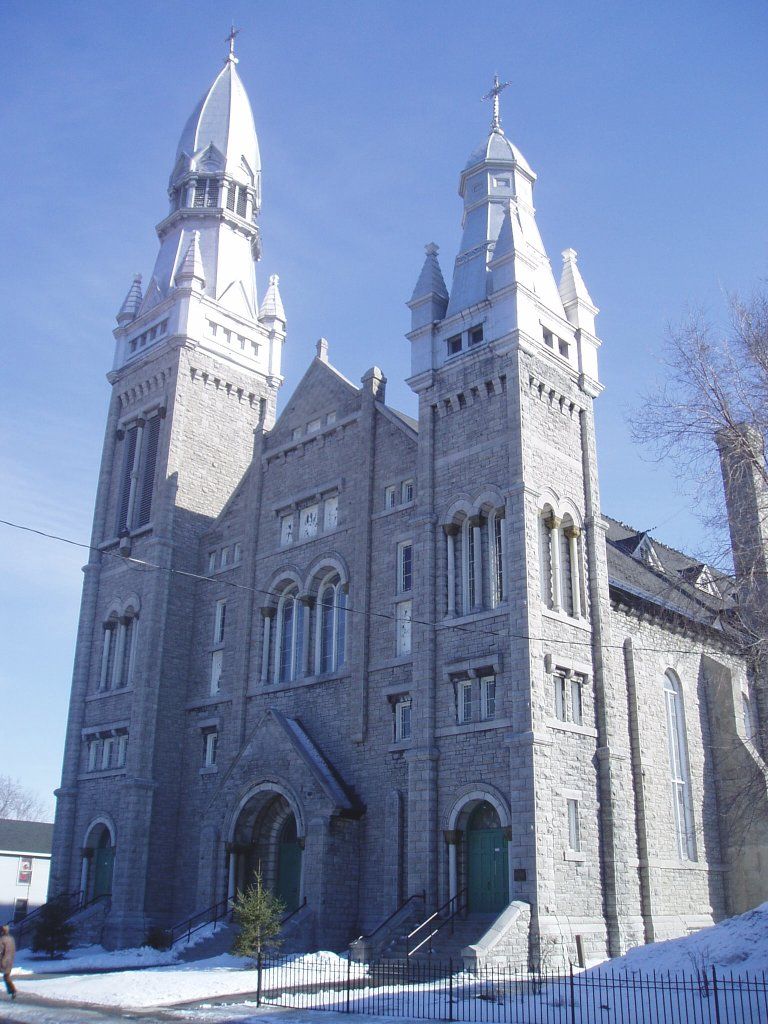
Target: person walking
7,954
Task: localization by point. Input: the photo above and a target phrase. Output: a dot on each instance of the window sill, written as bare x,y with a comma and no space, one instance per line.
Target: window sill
295,684
568,620
577,730
207,702
405,507
482,726
449,621
102,694
400,747
400,662
301,541
210,769
577,856
101,773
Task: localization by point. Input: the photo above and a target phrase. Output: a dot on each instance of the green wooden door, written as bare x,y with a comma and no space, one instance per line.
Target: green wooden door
289,873
103,859
488,888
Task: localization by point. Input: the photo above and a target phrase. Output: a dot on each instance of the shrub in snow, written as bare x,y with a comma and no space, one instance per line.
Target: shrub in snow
259,914
53,933
158,938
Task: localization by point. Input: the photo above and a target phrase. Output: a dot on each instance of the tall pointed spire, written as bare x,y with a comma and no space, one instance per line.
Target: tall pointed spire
191,269
430,296
579,307
131,303
272,306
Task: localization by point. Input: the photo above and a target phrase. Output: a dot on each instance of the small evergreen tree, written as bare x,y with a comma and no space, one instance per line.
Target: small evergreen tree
53,933
259,914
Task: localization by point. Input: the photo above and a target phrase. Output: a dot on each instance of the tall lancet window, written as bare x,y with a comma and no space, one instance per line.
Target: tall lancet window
680,776
545,558
496,550
140,445
331,625
290,636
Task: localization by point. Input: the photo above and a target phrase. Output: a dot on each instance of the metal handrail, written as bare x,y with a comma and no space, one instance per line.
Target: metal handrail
409,949
291,913
416,896
209,915
20,927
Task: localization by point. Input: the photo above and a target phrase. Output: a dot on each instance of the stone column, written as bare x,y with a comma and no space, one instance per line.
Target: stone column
452,839
87,856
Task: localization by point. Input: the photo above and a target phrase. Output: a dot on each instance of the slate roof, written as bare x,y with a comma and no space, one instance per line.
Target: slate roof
668,585
26,836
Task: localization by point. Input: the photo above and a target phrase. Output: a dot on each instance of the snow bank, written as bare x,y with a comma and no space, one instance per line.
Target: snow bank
738,945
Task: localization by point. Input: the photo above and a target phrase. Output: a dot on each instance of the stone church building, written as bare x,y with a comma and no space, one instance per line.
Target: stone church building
393,663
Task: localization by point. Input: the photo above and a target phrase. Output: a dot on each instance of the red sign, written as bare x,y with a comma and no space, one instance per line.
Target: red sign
25,870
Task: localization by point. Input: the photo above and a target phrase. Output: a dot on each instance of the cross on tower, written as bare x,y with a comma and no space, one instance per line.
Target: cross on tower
231,39
494,95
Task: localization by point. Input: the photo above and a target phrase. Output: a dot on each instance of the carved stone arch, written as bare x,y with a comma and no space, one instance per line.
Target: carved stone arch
107,822
487,500
268,785
321,568
461,508
473,794
114,610
568,508
132,605
284,577
549,498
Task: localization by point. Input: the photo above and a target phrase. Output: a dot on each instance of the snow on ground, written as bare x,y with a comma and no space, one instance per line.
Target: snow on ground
203,979
738,945
622,990
87,958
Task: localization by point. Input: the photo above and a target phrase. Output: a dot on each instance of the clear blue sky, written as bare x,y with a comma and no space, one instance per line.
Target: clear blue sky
645,123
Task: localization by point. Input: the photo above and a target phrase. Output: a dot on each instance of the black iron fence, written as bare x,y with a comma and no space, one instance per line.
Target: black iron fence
503,995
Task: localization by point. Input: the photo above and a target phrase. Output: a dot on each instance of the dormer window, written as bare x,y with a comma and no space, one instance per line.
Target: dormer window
454,345
476,335
563,348
549,339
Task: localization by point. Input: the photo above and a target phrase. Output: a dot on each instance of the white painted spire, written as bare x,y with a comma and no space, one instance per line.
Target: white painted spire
203,284
272,306
579,307
191,269
430,296
131,303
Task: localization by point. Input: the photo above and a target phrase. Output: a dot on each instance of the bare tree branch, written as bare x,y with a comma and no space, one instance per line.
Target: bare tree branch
16,801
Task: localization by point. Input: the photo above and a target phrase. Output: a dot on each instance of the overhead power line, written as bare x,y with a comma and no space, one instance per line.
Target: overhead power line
468,627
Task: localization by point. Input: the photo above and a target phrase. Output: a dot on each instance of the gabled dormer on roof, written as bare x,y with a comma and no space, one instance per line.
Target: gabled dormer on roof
701,576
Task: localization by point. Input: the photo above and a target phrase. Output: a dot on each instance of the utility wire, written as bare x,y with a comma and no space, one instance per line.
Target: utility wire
474,628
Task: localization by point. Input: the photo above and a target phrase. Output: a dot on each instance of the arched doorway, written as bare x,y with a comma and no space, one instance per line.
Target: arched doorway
267,841
487,862
99,855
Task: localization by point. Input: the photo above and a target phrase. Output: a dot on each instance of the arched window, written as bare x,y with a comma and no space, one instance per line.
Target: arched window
118,651
680,776
331,628
496,550
289,637
560,554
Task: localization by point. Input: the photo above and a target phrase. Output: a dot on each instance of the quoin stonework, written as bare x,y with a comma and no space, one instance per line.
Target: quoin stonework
382,658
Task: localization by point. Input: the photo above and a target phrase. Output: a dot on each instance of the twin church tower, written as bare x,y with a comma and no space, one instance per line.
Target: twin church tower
377,657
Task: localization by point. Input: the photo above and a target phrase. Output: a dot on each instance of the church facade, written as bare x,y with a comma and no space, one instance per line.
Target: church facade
390,662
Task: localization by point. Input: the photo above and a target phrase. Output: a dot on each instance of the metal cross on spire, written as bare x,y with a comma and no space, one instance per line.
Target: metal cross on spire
494,95
233,32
